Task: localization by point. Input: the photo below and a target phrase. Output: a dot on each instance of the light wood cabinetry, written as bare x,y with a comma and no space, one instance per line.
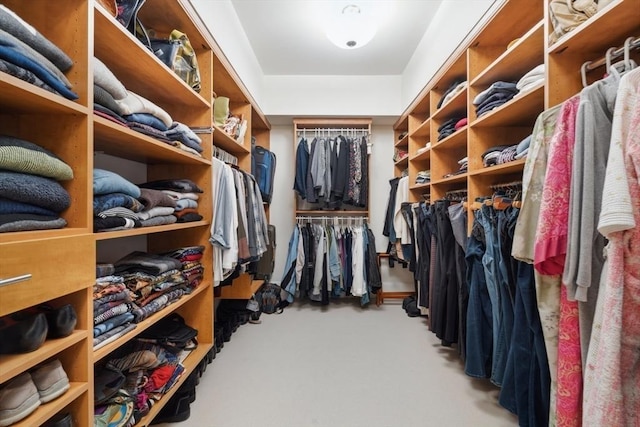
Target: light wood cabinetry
59,265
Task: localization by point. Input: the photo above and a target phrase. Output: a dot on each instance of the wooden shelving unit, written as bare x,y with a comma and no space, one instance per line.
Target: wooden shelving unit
65,270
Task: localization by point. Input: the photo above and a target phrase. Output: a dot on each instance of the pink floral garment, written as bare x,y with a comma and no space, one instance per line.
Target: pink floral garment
549,258
612,372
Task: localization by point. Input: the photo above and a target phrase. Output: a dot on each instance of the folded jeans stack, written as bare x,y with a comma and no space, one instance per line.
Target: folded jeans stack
30,196
423,177
454,88
494,96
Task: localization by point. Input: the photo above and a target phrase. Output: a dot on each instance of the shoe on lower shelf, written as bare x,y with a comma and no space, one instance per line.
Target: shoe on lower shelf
18,399
51,380
61,420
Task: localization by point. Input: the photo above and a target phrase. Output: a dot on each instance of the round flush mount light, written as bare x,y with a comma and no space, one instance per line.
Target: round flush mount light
351,28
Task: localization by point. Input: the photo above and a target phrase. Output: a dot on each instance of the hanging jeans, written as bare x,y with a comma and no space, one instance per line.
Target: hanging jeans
446,283
526,383
458,218
424,246
479,348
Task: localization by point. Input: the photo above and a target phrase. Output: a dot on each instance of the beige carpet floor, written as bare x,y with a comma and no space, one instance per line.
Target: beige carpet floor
341,366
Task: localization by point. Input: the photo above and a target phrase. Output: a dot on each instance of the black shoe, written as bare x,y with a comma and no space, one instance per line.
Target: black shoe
22,332
60,420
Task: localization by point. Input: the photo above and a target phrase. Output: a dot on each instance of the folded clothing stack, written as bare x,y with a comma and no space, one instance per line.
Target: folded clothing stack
115,202
153,280
450,126
31,57
425,148
464,166
454,88
30,196
501,154
185,194
112,310
423,177
112,101
192,268
522,149
494,96
531,79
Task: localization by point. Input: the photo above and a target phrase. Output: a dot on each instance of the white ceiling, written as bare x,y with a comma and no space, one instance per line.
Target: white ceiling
288,36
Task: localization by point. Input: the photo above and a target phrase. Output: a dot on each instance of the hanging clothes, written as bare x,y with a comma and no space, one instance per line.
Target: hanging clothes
333,172
328,261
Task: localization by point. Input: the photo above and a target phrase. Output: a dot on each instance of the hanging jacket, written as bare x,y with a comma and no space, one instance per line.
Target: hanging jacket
302,164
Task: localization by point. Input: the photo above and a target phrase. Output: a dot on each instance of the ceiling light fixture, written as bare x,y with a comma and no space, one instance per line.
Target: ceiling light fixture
351,29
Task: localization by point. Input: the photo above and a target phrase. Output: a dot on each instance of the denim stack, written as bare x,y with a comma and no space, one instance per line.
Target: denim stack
448,127
493,97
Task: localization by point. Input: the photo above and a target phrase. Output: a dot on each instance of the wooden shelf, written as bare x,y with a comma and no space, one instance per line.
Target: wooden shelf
137,68
107,235
13,364
420,157
404,142
224,141
450,180
23,236
520,111
18,96
146,323
616,20
402,162
244,287
49,409
415,187
456,140
422,130
502,169
525,54
190,364
457,106
120,141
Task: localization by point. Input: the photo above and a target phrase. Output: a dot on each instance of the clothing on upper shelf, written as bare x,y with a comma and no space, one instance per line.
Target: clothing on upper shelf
450,126
454,88
423,177
464,166
494,96
501,154
533,78
239,227
568,15
333,171
326,261
28,55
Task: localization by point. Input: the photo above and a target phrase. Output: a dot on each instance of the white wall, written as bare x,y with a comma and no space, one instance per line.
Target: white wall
451,25
225,27
341,96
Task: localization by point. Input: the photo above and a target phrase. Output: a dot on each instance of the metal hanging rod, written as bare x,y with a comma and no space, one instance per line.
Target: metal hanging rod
614,53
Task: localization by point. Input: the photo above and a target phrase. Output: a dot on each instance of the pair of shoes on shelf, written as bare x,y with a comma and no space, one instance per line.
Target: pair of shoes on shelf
24,393
25,331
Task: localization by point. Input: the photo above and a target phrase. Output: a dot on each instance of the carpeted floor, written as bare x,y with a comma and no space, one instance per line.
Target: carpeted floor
341,366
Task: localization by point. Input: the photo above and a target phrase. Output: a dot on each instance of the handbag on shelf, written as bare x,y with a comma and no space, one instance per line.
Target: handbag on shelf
177,53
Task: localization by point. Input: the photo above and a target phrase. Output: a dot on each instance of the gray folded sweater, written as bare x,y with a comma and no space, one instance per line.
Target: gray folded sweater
35,190
17,27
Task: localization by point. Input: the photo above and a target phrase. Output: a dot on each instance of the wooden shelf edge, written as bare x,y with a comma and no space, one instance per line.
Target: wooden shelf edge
420,186
503,168
402,162
454,104
424,155
14,364
146,323
49,409
402,142
15,88
27,236
245,293
190,364
524,98
454,136
524,39
451,179
106,126
107,235
224,141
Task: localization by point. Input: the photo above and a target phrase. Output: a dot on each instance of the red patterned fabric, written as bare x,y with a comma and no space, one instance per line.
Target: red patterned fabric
569,391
